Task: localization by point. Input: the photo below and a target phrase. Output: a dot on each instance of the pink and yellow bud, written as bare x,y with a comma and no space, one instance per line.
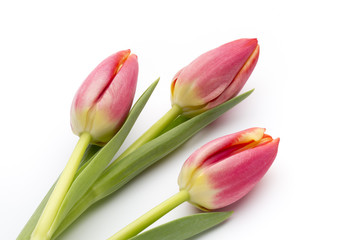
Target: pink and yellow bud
226,169
103,101
215,76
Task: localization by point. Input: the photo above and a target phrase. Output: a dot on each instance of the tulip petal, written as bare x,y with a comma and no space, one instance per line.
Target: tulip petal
237,175
238,83
99,79
173,83
112,107
219,144
213,148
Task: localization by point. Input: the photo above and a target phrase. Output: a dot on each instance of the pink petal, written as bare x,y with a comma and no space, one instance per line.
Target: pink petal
118,97
215,151
211,73
238,83
237,175
220,144
98,80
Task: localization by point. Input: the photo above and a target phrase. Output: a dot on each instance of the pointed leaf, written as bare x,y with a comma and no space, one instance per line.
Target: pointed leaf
133,164
184,228
113,178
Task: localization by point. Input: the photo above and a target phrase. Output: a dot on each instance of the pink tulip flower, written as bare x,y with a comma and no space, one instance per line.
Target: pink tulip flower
215,76
225,169
103,101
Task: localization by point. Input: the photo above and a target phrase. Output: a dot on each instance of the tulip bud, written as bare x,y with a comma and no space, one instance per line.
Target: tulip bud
103,101
215,76
225,169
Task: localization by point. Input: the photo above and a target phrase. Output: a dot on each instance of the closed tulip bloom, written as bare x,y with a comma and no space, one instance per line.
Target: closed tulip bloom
215,76
226,169
103,101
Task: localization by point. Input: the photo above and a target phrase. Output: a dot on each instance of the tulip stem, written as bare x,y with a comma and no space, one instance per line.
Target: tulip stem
151,216
152,132
62,186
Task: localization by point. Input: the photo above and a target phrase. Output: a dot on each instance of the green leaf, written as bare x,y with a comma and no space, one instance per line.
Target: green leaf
94,169
113,178
184,228
118,175
30,225
133,164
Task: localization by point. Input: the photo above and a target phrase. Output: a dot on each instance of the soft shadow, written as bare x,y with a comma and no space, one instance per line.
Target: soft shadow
235,207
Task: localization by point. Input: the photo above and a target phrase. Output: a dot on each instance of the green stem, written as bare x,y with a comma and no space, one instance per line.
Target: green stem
153,132
151,216
79,208
66,178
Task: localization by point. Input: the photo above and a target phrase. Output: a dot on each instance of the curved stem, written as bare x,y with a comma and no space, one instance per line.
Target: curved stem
62,186
152,132
151,216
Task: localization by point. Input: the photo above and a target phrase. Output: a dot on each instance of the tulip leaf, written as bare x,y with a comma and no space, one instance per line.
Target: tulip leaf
30,225
94,169
184,228
133,164
113,178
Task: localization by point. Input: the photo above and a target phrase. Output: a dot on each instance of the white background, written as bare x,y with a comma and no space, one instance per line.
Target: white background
306,93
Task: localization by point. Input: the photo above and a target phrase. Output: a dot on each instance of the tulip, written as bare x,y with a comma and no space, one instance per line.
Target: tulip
216,175
226,169
99,109
103,101
215,76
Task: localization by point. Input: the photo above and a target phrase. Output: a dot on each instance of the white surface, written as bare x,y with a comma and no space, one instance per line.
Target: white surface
306,93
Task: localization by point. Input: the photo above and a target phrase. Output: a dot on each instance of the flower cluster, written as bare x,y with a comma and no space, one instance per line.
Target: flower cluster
216,175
